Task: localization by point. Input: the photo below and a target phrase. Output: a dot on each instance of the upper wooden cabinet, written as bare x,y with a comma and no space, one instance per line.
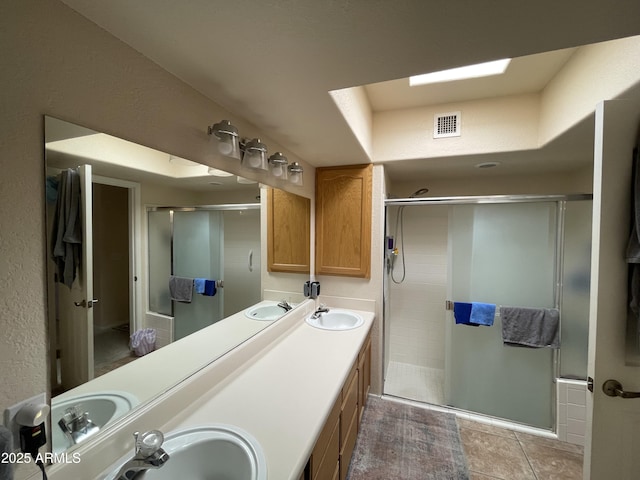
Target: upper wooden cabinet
288,232
343,220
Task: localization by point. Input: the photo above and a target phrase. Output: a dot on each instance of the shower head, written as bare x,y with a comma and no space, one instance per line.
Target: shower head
419,192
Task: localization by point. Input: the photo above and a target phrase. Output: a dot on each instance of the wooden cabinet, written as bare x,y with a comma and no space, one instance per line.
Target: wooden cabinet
364,378
333,449
326,453
343,220
288,232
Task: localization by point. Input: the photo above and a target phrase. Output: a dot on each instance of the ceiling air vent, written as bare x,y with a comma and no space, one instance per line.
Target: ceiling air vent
446,125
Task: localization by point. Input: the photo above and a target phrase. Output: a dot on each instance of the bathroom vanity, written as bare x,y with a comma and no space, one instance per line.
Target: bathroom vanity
297,390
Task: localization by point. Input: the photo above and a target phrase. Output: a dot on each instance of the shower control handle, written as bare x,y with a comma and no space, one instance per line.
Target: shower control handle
613,388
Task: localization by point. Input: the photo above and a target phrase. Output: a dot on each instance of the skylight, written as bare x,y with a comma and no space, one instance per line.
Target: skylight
486,69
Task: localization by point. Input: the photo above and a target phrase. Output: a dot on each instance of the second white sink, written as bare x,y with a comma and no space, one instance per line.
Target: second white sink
336,319
210,452
265,311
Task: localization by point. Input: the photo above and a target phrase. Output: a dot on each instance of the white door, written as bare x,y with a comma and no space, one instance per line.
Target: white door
612,447
76,304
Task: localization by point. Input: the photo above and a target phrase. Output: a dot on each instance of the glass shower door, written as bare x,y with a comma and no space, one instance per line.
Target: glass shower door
197,253
503,254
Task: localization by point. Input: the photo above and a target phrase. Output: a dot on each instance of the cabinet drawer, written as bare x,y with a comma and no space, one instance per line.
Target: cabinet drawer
349,407
324,439
324,468
348,444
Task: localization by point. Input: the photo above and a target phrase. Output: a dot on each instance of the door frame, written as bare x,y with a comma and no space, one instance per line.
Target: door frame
135,246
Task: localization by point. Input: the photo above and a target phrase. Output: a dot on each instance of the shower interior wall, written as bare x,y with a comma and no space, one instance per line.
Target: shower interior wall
417,335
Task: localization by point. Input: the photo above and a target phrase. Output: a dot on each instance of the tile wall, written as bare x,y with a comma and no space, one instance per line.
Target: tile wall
571,410
418,315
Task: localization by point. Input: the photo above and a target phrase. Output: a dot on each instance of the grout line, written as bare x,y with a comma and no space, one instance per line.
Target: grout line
535,475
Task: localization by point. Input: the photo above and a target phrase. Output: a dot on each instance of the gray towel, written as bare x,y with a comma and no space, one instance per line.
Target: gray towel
6,446
66,245
530,327
181,289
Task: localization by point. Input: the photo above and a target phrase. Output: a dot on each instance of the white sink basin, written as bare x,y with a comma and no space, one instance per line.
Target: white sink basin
102,408
221,452
336,319
265,311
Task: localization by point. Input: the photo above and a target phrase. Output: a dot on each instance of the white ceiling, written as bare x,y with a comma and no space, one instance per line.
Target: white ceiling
273,62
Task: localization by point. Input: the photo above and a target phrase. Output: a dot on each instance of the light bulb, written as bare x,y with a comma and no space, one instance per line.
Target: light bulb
225,147
277,170
254,160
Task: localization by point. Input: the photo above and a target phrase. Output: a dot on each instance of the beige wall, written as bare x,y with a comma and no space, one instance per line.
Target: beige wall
57,63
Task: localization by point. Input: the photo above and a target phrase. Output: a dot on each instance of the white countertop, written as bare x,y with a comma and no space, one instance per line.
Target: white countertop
279,386
284,396
161,369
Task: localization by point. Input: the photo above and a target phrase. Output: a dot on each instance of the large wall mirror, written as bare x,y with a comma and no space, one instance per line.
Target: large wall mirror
128,228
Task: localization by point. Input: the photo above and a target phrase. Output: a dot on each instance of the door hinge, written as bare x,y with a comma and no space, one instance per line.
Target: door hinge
590,384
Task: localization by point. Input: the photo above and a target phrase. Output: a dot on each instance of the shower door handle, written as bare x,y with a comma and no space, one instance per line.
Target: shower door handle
613,388
250,260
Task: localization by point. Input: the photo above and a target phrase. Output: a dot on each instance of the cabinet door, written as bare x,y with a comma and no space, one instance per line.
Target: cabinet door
364,375
288,232
343,221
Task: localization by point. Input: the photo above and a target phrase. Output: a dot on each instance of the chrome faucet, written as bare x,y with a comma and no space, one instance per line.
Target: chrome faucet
284,304
319,311
76,424
148,455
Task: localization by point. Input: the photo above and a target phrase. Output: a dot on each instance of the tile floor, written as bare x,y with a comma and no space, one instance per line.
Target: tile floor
111,350
495,453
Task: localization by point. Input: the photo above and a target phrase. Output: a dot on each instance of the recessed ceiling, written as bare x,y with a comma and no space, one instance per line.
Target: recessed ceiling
274,62
528,74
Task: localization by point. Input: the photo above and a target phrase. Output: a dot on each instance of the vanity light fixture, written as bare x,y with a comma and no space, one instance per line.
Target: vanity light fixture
278,166
227,136
255,155
295,174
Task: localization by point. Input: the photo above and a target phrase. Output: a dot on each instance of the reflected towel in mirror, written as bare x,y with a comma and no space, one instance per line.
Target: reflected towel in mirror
181,289
198,285
210,288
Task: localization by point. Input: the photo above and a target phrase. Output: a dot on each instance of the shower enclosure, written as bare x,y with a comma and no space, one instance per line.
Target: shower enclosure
220,243
509,251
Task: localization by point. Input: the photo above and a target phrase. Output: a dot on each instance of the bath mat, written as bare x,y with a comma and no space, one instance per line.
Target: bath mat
403,442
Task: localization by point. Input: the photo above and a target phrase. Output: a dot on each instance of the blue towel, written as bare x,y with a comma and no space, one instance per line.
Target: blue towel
462,313
482,314
209,288
198,285
474,313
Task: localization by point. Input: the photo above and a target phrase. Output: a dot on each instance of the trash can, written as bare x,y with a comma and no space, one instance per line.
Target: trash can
143,341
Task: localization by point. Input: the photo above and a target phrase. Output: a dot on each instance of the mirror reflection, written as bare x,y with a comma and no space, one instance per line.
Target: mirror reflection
145,249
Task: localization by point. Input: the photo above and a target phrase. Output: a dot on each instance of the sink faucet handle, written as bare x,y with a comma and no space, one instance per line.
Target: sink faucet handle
148,443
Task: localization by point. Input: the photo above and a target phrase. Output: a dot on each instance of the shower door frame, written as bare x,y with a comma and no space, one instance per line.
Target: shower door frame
171,210
560,201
